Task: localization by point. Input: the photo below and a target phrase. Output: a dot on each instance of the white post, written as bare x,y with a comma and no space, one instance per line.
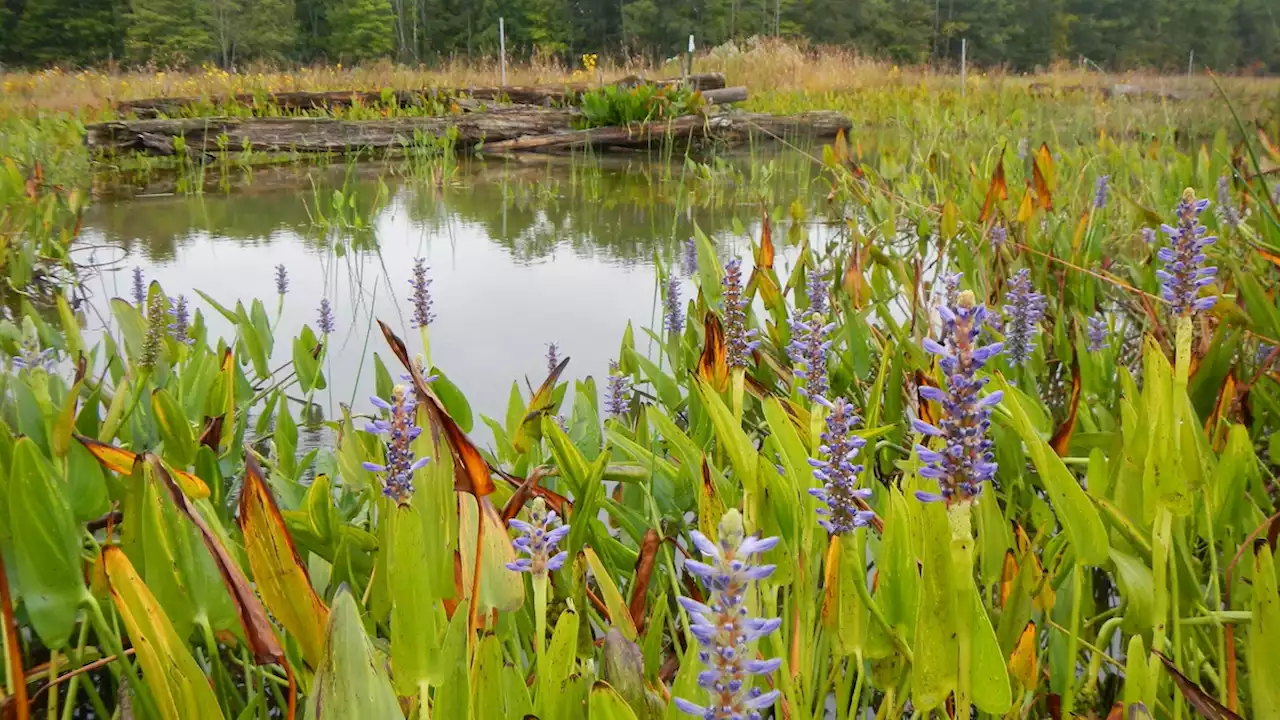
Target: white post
502,49
963,65
689,64
1191,64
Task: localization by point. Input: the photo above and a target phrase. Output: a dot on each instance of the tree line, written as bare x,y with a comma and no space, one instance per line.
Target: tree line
1022,34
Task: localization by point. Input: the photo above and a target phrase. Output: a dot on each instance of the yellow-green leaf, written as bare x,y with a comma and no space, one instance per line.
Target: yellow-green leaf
617,607
352,681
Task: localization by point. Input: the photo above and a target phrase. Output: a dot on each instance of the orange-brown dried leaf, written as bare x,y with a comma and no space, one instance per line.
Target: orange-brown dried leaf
122,461
713,366
1061,439
999,189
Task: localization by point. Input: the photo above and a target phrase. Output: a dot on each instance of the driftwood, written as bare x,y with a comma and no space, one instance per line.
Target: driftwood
730,127
304,101
317,135
725,96
502,130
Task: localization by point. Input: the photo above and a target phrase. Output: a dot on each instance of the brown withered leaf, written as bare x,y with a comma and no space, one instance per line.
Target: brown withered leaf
999,189
471,470
1061,439
278,571
1008,572
531,487
1041,185
121,461
713,366
211,435
1201,701
644,572
253,616
539,404
764,256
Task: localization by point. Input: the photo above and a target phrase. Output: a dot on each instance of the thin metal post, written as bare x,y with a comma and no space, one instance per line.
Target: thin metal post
502,49
689,62
964,46
1191,64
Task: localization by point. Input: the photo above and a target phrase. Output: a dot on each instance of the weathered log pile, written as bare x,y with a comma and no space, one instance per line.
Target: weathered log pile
490,129
545,95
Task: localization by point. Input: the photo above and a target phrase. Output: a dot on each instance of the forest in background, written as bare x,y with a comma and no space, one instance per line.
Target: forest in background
1226,35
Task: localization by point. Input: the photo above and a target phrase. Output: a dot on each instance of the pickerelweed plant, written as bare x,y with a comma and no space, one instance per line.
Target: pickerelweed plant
184,534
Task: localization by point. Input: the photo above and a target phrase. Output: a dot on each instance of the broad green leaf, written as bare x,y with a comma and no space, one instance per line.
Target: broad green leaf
177,684
417,619
46,545
449,671
352,681
936,652
607,704
560,656
454,402
618,611
733,440
179,440
500,588
1137,588
989,673
1074,510
1263,650
487,701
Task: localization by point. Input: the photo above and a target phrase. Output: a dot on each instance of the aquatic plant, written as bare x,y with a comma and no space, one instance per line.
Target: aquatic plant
139,288
157,325
282,279
966,460
816,285
673,314
1100,189
724,628
808,351
999,236
421,297
739,341
618,395
553,357
1227,211
838,471
689,258
324,320
1024,309
180,326
538,540
1098,333
400,430
1184,272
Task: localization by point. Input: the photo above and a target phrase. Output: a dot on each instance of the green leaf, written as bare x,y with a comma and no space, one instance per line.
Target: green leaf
417,620
989,673
175,431
618,611
559,658
1076,513
1137,587
352,681
936,651
449,672
1263,651
306,367
607,704
665,385
455,403
733,440
487,701
46,544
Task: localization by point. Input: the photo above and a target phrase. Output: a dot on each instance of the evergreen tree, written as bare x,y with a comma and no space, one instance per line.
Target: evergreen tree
79,32
169,32
361,30
1258,29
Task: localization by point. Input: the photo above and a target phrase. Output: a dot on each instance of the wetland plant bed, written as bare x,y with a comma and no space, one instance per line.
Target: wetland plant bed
502,130
545,95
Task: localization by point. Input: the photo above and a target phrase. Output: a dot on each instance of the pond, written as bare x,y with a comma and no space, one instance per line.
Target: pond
522,253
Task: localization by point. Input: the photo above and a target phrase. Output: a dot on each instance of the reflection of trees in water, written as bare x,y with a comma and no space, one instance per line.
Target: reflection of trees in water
619,212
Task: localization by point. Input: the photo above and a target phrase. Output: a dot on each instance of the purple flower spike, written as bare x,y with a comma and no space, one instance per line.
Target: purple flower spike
808,350
180,328
1098,333
33,358
1184,271
738,340
723,627
1100,192
325,320
816,285
838,472
966,460
1023,312
690,259
156,326
139,288
618,394
282,279
999,236
401,430
421,297
673,319
1149,236
538,539
553,357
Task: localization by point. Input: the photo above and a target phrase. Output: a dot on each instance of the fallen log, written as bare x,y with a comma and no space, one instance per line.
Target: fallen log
725,96
502,130
316,135
732,128
151,108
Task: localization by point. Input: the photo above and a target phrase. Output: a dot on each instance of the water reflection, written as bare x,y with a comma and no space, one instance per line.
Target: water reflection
521,254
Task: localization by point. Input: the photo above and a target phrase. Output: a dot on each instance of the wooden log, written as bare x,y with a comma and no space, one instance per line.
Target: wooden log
318,135
733,128
724,96
304,101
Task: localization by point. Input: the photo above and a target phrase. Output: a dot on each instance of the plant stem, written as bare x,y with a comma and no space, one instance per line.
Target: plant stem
539,618
960,515
1073,640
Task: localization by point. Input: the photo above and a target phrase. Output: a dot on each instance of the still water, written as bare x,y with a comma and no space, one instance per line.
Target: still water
521,254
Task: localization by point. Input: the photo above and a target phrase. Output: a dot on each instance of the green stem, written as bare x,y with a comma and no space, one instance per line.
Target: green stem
539,618
1160,571
73,685
107,636
1095,662
962,583
1073,641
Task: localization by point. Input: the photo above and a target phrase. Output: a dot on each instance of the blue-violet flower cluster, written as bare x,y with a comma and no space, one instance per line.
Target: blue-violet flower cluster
139,288
838,471
325,319
617,399
690,259
282,279
737,338
673,317
1184,271
1023,311
1098,333
1100,192
966,460
180,327
401,430
725,629
538,539
808,350
421,297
